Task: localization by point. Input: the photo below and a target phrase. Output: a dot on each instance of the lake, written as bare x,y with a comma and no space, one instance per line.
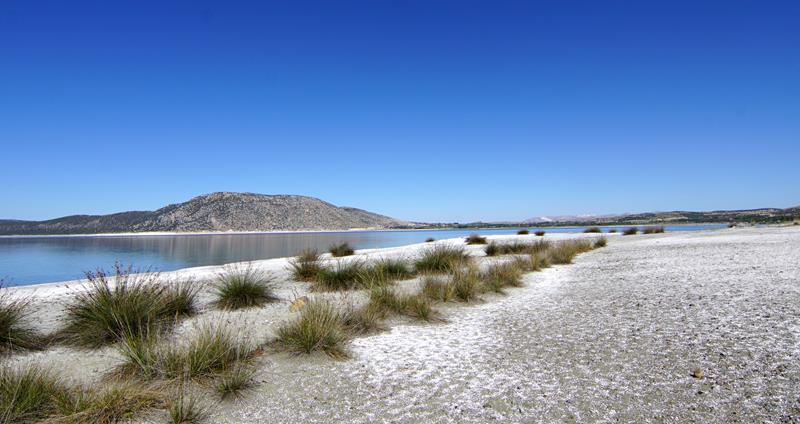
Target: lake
34,260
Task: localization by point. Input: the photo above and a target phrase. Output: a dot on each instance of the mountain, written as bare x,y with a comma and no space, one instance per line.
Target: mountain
215,212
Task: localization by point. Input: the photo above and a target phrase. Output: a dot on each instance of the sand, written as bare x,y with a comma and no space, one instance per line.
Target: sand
614,337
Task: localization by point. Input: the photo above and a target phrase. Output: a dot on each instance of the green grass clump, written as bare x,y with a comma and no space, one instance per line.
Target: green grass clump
362,320
466,284
210,351
475,239
505,274
436,289
653,230
430,240
132,304
318,328
613,230
564,252
532,262
492,249
514,248
185,409
384,271
593,230
341,249
539,233
442,258
600,242
16,333
342,276
630,231
385,301
234,382
306,265
523,232
30,394
33,394
242,286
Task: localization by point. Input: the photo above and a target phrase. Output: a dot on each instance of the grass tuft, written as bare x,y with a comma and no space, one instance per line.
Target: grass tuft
16,333
630,231
565,251
653,230
539,233
437,289
318,328
185,409
30,394
430,240
442,258
475,239
363,320
466,284
306,265
504,274
242,286
343,276
593,230
613,230
235,382
384,301
523,232
600,242
133,304
341,249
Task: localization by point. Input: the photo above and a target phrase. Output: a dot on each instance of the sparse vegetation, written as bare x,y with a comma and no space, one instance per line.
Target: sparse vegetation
185,409
630,231
563,252
466,284
430,240
475,239
242,286
386,270
523,232
306,265
600,242
593,230
513,248
442,258
539,233
111,404
385,301
318,328
653,230
136,303
342,276
234,382
362,320
503,274
341,249
437,289
613,230
16,333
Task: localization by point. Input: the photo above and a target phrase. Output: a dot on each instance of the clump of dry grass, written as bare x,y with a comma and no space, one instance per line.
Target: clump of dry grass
235,381
630,231
318,328
306,265
385,301
564,252
539,233
593,230
211,350
653,230
430,240
500,275
442,258
600,242
437,289
386,270
523,232
613,230
16,332
243,286
513,248
341,249
184,408
358,275
362,320
135,303
475,239
466,284
33,394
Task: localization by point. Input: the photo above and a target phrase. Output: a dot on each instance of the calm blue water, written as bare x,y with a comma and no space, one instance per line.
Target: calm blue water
35,260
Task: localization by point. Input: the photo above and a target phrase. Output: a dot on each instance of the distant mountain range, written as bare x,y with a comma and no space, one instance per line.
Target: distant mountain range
215,212
676,217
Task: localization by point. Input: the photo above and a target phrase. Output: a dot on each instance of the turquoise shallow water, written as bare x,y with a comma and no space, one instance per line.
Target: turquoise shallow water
35,260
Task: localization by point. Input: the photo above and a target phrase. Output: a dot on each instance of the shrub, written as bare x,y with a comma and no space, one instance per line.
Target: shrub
523,232
319,328
430,240
240,287
15,331
600,242
501,275
475,239
539,233
630,231
136,304
341,249
442,258
593,230
653,230
306,265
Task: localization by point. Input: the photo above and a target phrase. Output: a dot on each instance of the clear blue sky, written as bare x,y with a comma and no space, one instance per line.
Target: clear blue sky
422,110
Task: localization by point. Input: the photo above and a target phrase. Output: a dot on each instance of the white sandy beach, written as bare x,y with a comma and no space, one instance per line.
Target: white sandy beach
613,337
